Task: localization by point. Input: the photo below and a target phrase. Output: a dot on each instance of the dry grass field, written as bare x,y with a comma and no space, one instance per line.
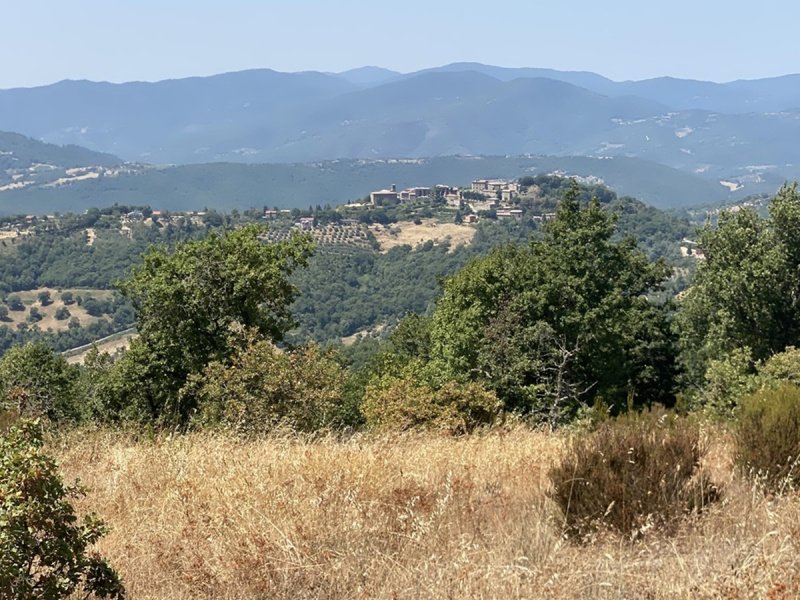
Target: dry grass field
49,321
406,232
209,516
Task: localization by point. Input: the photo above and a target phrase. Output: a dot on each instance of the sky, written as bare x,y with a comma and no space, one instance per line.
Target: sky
43,41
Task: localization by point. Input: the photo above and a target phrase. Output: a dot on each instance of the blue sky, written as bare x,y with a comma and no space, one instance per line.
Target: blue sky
122,40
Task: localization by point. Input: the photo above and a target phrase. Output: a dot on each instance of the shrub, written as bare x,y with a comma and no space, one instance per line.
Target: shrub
67,298
767,437
44,298
402,403
261,387
62,313
44,548
782,367
631,473
728,379
15,303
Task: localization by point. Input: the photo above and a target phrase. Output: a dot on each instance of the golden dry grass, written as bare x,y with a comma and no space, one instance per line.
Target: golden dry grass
49,321
407,233
209,516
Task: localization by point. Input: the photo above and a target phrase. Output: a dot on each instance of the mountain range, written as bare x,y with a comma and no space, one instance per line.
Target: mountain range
740,136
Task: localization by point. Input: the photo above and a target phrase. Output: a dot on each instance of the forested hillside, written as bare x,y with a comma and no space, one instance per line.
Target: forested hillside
346,289
226,186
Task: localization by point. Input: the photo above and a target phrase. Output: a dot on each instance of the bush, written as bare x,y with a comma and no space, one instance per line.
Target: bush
44,298
15,303
782,367
402,403
767,438
631,473
44,548
262,387
62,313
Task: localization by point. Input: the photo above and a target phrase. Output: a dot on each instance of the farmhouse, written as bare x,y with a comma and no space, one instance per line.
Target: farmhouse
385,196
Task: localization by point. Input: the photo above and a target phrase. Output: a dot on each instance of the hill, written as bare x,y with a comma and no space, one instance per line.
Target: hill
20,152
225,186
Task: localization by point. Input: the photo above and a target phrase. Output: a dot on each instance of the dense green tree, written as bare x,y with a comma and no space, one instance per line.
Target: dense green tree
15,303
746,294
188,301
36,381
561,321
44,298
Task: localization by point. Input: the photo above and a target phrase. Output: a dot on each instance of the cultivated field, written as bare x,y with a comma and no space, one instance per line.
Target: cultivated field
30,298
406,232
203,516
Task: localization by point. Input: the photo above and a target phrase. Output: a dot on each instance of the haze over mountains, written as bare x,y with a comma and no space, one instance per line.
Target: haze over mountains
740,136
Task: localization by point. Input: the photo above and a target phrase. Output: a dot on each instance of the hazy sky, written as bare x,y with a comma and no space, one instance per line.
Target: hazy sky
43,41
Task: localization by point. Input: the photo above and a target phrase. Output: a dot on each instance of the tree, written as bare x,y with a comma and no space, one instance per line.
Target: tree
44,298
746,294
44,548
62,313
188,301
3,313
15,303
565,319
93,306
67,298
37,382
34,316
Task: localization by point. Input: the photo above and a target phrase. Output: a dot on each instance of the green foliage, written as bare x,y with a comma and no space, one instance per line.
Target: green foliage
67,298
44,298
188,302
560,322
736,375
62,313
44,547
768,437
34,316
35,381
728,379
746,294
3,313
631,473
15,303
261,387
402,403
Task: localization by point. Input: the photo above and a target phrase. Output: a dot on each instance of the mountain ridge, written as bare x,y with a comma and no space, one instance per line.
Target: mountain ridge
266,116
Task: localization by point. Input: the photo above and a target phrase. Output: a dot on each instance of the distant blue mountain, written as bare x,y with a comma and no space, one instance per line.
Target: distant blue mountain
741,133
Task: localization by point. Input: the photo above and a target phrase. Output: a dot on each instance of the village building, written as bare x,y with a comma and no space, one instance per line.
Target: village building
381,197
305,223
